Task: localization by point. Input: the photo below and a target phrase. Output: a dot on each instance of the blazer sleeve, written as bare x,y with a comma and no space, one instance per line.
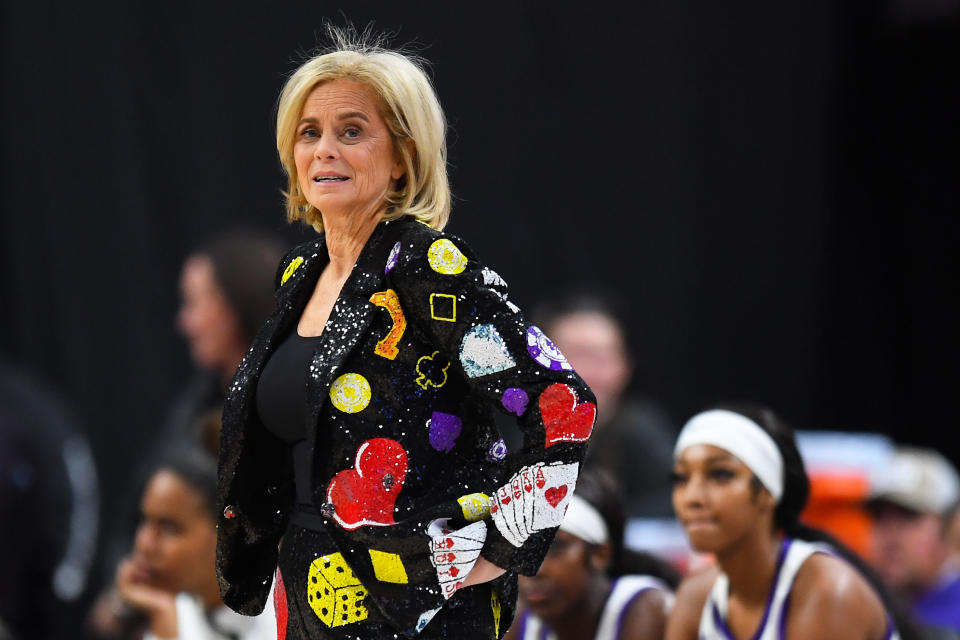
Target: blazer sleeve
462,307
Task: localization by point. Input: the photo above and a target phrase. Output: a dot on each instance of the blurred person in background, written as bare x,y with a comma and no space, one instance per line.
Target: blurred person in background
633,437
739,488
167,587
913,504
49,508
589,586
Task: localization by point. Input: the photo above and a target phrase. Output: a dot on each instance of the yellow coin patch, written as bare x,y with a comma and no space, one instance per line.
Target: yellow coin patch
475,506
388,567
444,257
350,393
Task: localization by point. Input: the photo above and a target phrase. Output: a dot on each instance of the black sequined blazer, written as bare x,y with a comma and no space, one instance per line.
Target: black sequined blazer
408,468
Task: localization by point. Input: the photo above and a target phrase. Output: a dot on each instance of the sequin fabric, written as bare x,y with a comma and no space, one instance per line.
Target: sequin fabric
401,438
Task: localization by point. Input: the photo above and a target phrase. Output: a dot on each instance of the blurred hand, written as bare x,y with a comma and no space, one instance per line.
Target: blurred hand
483,571
157,604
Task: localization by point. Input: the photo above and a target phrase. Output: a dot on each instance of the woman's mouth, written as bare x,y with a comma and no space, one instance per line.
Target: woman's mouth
329,179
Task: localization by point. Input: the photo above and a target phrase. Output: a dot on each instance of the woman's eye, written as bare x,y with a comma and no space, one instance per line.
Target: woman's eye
351,133
308,133
721,475
677,478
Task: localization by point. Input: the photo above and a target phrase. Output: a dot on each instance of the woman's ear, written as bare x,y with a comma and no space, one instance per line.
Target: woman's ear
399,166
600,557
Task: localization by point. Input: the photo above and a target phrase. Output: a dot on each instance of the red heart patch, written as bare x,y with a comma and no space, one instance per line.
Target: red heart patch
555,494
563,419
366,494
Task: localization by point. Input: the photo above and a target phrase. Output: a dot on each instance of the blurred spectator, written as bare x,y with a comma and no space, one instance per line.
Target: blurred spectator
49,505
167,587
913,504
633,437
589,585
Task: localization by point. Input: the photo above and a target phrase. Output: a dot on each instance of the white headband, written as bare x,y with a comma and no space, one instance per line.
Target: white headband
740,436
585,522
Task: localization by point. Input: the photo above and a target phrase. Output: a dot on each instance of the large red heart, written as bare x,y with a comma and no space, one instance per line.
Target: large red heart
563,419
555,494
366,494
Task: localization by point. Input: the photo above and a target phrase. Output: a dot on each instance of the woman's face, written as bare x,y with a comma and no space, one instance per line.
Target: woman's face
345,157
176,541
716,499
563,581
206,319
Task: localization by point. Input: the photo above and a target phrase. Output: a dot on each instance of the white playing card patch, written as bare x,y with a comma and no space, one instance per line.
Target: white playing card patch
454,552
536,498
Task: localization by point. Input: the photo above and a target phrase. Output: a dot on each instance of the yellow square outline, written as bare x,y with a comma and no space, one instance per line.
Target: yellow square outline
453,299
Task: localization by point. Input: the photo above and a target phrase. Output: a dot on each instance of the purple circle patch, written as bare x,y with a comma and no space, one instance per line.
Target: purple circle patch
392,258
515,400
542,349
497,451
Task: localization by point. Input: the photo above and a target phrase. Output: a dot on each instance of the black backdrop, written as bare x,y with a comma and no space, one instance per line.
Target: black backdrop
771,190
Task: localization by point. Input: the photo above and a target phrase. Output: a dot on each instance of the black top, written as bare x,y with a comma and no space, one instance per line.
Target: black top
282,402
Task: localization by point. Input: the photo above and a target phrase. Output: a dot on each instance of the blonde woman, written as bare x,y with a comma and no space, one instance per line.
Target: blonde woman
358,432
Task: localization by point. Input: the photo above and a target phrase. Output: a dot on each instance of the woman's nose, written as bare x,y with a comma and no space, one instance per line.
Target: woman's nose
326,148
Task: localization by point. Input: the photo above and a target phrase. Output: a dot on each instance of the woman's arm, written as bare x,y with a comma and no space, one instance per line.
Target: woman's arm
646,618
831,600
684,619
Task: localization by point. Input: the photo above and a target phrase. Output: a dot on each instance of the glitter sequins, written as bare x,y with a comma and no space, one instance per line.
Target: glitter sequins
563,419
388,567
542,349
359,494
515,400
444,430
445,258
392,258
350,393
293,266
483,352
443,306
388,300
430,373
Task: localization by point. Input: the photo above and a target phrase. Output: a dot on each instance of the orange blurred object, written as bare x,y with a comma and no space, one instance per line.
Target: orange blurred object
836,506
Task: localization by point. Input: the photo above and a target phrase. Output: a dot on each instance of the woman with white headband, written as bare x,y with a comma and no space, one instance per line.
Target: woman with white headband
589,587
739,488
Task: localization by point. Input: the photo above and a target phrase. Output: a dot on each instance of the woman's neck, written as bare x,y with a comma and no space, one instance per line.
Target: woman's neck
581,621
750,566
346,236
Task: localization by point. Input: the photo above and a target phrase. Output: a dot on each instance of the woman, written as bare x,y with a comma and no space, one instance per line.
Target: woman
739,487
589,586
358,431
169,578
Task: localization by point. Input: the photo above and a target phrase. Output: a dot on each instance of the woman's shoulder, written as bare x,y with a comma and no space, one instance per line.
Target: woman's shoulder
645,612
830,597
684,618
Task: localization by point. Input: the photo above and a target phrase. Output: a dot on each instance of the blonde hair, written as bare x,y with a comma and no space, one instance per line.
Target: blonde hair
410,108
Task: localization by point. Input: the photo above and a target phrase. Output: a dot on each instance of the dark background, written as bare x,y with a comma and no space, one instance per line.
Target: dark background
770,190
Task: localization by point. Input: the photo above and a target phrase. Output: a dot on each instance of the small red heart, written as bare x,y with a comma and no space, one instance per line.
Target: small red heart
454,572
505,500
359,495
555,494
563,419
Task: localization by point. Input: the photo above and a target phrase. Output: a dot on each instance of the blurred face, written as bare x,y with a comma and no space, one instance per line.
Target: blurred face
909,547
716,500
206,318
562,584
176,542
593,345
344,154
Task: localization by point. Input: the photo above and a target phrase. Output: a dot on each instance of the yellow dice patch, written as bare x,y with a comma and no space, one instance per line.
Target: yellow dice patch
388,567
475,506
334,593
293,266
